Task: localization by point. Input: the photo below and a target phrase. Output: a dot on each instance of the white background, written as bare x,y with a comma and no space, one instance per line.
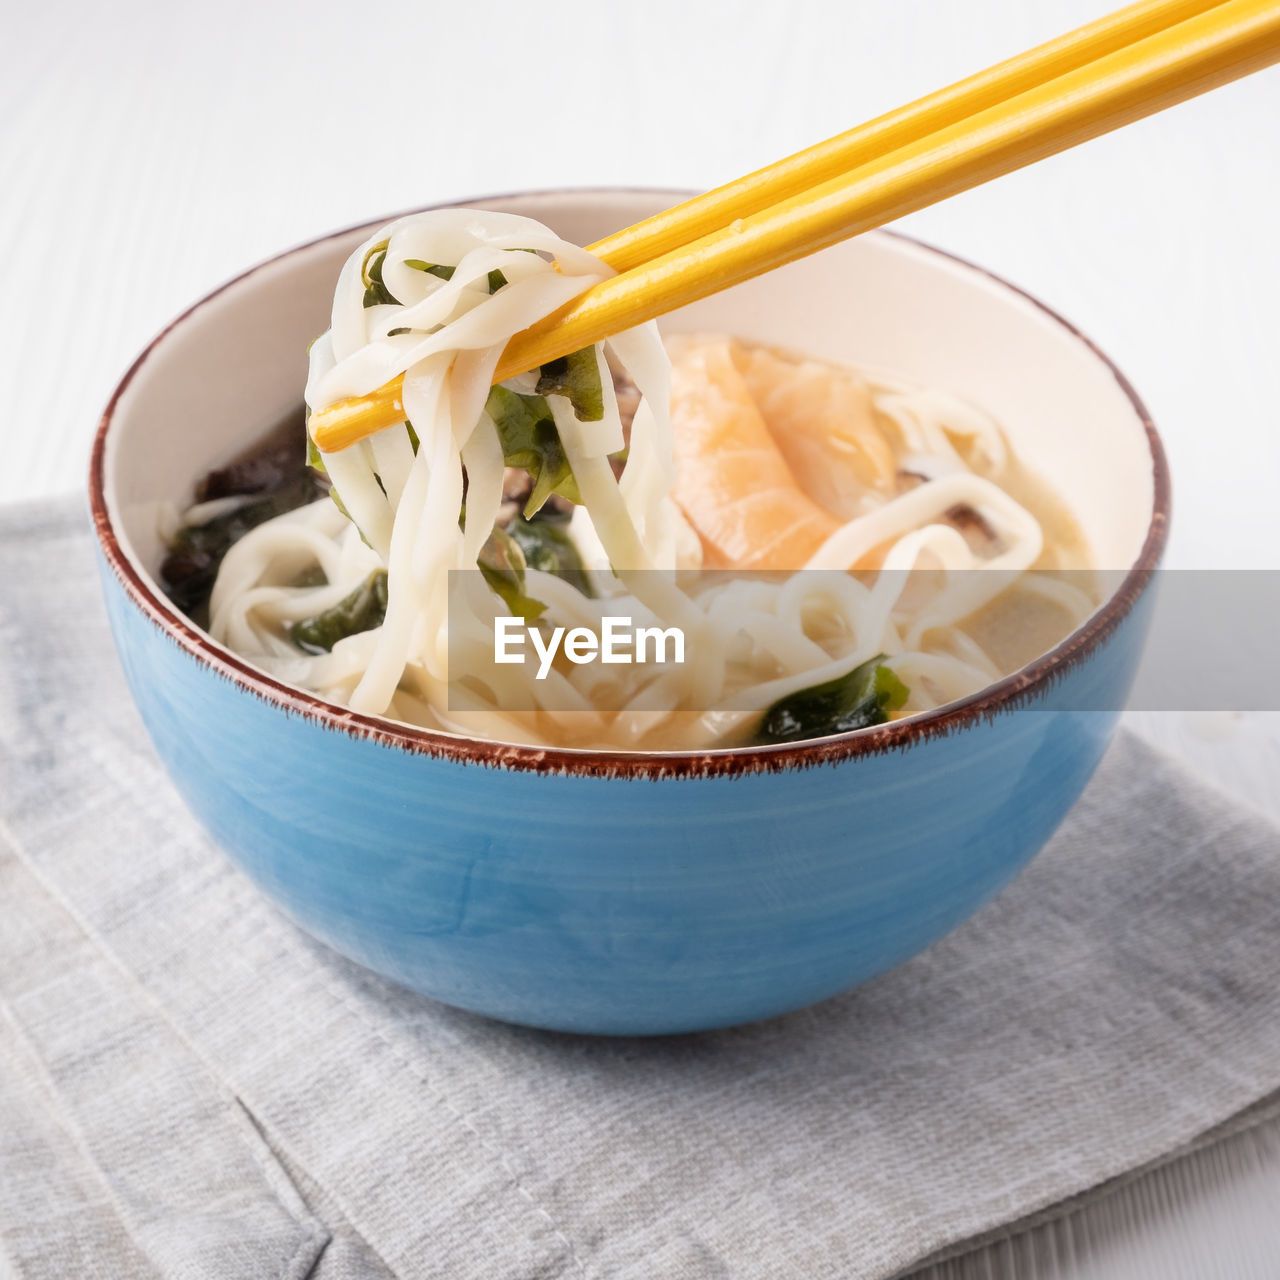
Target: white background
149,150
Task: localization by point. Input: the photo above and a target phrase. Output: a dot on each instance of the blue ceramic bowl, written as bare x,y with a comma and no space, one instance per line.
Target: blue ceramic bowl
646,892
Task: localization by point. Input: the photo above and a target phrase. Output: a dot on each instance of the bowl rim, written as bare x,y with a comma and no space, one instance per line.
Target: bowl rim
1009,693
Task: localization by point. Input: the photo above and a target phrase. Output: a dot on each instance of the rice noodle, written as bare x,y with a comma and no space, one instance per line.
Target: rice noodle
756,640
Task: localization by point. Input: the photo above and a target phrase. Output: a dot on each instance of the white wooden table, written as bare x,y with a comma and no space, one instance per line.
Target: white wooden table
150,150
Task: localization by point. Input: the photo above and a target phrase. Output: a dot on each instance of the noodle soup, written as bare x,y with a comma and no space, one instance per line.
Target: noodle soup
837,549
632,891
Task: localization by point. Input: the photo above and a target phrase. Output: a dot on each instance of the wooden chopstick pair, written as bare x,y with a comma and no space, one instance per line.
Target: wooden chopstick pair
1127,65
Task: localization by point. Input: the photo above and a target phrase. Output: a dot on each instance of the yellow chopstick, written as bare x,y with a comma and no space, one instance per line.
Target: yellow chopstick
349,420
835,157
1211,47
1202,53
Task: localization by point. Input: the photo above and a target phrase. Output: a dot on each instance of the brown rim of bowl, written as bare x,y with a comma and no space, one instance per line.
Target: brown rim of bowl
1010,693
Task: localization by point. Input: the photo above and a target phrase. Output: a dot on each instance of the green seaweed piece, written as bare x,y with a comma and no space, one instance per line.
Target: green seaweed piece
576,376
547,546
857,700
375,291
502,563
527,431
496,278
360,610
431,268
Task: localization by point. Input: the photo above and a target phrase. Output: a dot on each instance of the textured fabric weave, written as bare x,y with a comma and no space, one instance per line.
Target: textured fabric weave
191,1087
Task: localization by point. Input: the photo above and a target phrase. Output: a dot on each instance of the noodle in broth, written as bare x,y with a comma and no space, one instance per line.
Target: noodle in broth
758,464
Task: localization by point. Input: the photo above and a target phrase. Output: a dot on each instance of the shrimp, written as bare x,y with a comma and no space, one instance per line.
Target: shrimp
732,481
822,420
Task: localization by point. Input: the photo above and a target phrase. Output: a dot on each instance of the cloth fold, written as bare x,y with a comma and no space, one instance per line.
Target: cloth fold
1118,1002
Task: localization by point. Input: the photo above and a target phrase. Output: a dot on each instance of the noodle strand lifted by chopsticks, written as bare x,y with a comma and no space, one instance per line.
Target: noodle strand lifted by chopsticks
435,297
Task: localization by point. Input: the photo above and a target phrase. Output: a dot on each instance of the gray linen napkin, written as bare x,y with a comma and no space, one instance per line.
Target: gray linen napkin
191,1087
